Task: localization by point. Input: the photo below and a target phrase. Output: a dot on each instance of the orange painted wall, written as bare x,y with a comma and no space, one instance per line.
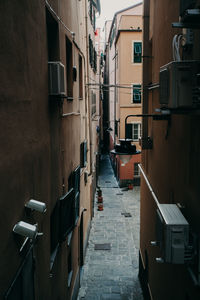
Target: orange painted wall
127,172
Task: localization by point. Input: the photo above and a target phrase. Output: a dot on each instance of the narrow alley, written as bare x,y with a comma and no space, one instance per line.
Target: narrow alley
113,273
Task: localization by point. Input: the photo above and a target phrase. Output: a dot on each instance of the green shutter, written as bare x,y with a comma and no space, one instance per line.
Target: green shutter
136,93
128,131
137,52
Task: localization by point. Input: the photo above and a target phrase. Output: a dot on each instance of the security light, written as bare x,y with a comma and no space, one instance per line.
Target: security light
36,205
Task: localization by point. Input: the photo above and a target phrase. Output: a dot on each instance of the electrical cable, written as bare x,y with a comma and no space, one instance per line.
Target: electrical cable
59,19
176,47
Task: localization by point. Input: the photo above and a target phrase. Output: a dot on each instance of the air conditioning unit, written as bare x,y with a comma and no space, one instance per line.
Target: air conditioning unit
186,4
172,234
56,78
179,84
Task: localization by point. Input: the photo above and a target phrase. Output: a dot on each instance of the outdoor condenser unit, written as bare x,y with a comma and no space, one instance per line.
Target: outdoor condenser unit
180,84
186,4
172,234
56,78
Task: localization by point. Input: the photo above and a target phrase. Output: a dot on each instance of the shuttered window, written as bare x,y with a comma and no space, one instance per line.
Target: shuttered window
133,131
137,52
136,93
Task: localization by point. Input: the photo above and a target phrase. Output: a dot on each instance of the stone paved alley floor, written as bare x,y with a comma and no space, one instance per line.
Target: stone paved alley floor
113,274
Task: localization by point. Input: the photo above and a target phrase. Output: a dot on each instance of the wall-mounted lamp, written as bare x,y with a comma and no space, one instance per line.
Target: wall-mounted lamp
36,205
125,150
25,229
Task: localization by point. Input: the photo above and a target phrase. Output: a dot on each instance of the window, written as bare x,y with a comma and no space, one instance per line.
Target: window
80,78
91,52
116,127
93,103
70,270
74,182
136,96
55,229
137,52
66,216
113,34
133,131
92,55
62,220
92,14
69,69
83,154
136,170
52,37
136,131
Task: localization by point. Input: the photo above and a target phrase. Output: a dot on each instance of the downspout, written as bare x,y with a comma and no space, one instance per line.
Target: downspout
115,98
145,75
87,96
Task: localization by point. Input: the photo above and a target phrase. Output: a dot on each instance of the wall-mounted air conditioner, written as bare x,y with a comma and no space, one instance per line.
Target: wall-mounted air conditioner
179,84
186,4
56,78
172,234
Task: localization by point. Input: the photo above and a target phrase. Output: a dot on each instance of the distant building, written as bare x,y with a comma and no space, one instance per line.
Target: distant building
125,78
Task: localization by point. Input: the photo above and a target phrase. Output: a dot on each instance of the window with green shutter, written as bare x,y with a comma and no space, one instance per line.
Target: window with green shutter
136,93
137,52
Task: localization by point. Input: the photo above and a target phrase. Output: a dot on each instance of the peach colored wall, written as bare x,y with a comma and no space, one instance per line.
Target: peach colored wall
126,79
128,73
128,22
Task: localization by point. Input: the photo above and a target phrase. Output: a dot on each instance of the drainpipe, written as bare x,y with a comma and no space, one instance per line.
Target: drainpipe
87,89
115,97
146,64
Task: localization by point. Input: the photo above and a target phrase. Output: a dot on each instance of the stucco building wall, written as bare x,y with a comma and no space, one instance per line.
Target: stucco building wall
41,140
172,165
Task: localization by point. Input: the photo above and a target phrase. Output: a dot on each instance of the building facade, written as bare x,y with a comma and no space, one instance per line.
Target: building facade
125,79
49,146
169,251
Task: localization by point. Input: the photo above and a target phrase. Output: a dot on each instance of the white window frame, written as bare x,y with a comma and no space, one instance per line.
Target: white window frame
139,129
136,41
136,174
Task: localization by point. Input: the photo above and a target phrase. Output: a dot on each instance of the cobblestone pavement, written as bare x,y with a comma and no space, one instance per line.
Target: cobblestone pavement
113,274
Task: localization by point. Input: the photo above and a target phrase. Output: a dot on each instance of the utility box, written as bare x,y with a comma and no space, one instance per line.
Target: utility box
172,234
179,84
56,78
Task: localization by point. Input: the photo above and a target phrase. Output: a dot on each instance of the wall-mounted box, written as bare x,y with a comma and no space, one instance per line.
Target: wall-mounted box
56,78
172,234
179,84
